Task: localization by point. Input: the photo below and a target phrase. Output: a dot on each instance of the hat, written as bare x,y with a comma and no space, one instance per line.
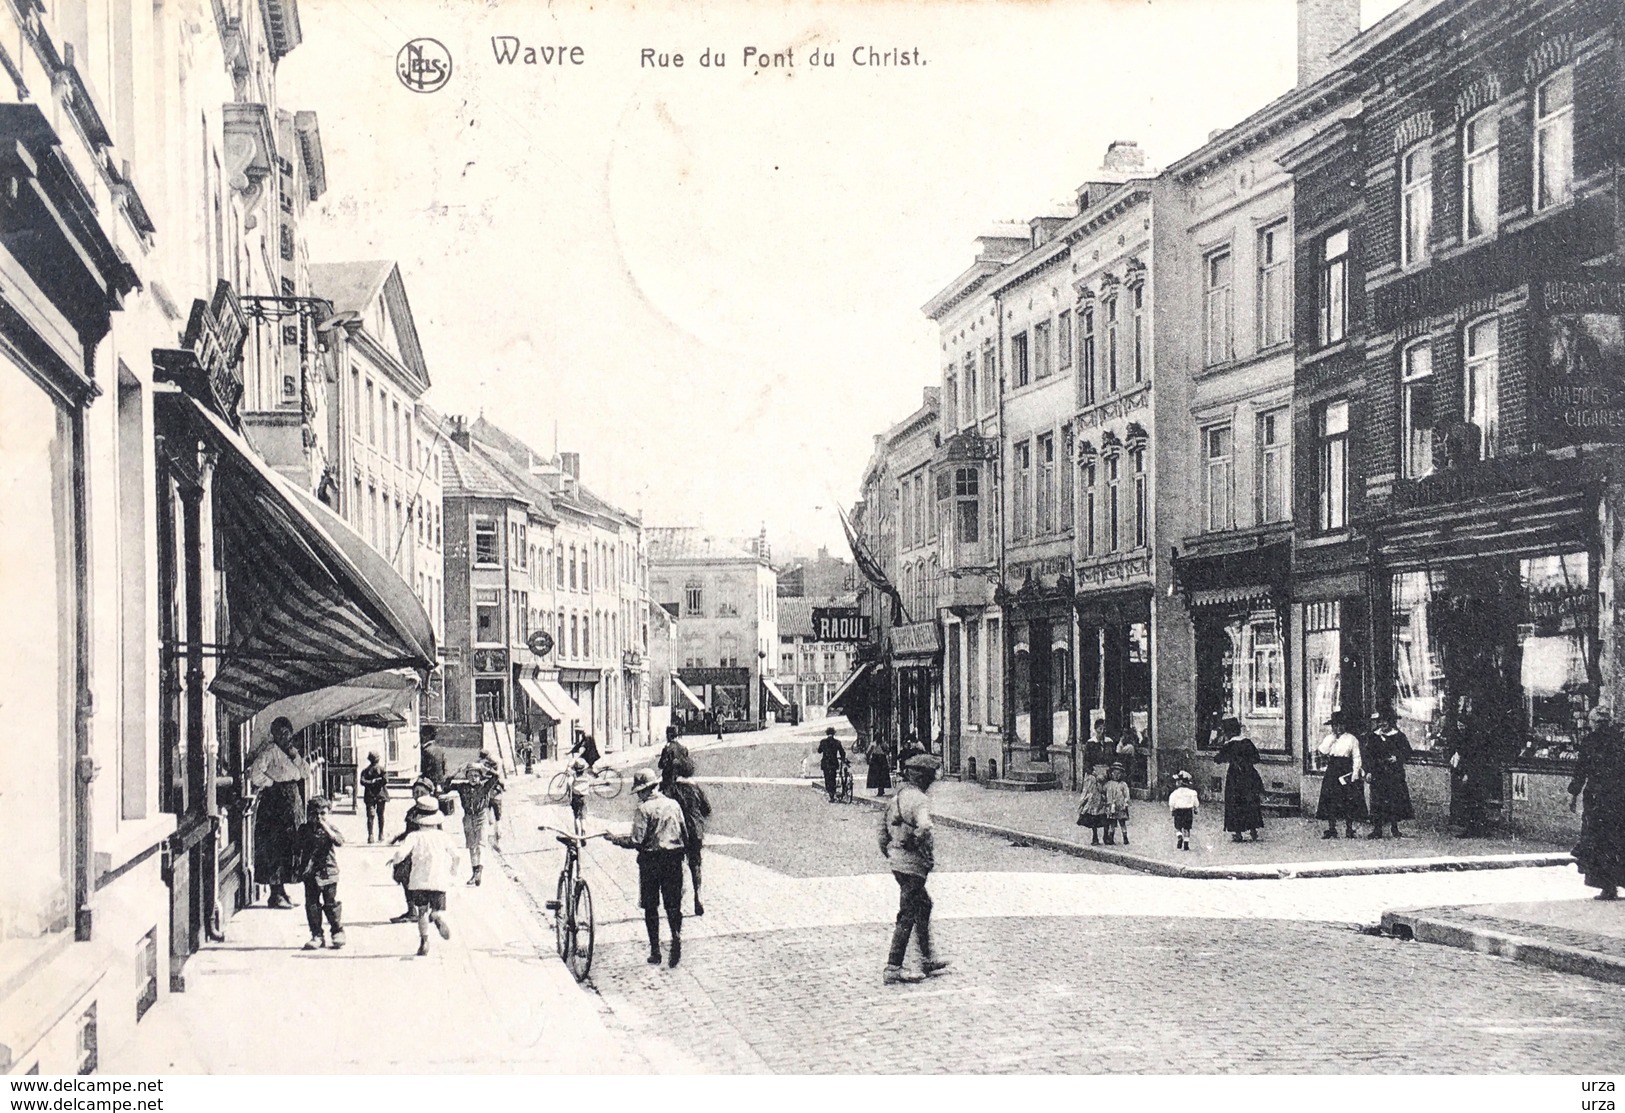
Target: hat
830,731
922,762
1183,777
1337,719
427,804
645,779
1230,722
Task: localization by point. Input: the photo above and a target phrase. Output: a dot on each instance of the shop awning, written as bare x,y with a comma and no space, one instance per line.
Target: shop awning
380,698
688,693
1114,606
848,686
552,700
1519,523
311,605
773,690
1253,572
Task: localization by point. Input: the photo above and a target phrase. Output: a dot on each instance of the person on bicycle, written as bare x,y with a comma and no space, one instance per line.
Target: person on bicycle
831,756
657,836
587,749
908,845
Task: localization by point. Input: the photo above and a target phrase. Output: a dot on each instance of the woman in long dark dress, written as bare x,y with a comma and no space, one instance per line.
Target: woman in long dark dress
879,777
1600,775
1243,787
1385,753
280,777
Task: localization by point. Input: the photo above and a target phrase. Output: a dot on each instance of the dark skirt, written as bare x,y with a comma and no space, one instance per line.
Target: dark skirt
277,816
1600,853
432,899
1390,795
879,773
1339,800
1184,818
1243,799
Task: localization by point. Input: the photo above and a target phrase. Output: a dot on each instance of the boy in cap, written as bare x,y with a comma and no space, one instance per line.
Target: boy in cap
1183,802
906,841
657,836
434,859
315,848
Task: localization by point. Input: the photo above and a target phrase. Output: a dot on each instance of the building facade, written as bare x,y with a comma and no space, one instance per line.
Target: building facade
812,670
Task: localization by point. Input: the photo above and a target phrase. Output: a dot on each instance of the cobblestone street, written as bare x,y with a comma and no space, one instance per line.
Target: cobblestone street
1060,964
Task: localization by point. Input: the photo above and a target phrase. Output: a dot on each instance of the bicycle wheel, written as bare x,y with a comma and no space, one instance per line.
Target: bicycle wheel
844,790
581,923
558,789
608,783
562,936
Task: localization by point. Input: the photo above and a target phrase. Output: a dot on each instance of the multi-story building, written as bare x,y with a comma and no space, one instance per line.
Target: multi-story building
725,596
812,670
819,578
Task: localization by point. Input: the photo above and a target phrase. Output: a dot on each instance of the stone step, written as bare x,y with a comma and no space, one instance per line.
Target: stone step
1023,786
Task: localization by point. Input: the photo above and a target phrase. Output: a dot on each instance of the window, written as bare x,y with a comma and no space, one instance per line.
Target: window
968,515
1137,327
931,514
1086,355
1334,288
488,617
1043,354
372,417
1114,464
520,609
1068,500
1266,669
995,690
970,395
1274,251
1480,174
1218,306
1021,501
486,543
1334,466
973,671
1111,345
1482,389
575,636
1274,467
586,636
1554,140
573,580
1046,483
693,600
558,570
990,378
920,509
1416,203
1090,513
1018,360
1141,503
905,516
1217,445
727,605
1063,340
1416,375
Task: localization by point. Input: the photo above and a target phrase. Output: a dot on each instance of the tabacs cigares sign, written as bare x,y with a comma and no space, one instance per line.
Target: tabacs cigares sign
1581,398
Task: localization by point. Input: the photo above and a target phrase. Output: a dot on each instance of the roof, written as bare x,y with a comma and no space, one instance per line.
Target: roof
503,445
534,490
795,612
350,286
467,476
674,544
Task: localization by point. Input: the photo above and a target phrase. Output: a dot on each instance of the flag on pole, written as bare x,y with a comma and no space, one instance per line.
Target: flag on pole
869,566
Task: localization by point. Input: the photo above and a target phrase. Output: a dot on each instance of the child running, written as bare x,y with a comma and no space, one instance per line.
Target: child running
1183,802
434,859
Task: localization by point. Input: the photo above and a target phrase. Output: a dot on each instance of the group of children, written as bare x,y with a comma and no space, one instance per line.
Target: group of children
1104,806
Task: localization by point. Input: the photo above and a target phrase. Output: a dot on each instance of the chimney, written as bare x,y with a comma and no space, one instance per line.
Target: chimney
459,432
1323,26
571,463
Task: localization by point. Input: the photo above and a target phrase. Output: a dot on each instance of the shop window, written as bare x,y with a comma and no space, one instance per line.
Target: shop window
1322,668
1418,403
1274,466
1333,457
489,700
1265,666
1482,388
1416,203
487,617
1480,174
1334,288
1554,140
1274,250
485,542
1217,441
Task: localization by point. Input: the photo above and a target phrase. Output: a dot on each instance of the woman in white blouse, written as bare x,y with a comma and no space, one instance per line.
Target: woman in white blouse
1342,789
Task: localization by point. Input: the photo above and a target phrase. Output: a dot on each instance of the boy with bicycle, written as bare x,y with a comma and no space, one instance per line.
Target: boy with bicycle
657,836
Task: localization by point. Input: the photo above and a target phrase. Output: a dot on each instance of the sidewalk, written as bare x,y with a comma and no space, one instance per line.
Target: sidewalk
495,999
1584,937
1287,848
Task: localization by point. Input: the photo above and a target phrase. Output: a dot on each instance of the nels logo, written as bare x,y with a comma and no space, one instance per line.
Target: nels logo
424,65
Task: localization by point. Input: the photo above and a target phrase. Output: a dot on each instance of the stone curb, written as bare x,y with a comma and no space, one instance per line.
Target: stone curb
1281,871
1520,948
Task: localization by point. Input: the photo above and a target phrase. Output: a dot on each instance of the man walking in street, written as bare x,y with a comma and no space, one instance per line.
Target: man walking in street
830,756
906,841
675,761
657,836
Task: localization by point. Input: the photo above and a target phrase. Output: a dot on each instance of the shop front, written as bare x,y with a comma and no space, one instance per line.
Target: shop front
1039,675
725,695
1114,672
1493,638
582,686
550,715
915,652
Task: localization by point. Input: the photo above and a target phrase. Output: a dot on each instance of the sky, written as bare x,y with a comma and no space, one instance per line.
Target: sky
707,280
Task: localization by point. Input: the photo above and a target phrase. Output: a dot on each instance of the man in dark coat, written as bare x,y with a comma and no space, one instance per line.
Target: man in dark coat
1243,787
675,761
432,764
1384,752
1600,776
830,756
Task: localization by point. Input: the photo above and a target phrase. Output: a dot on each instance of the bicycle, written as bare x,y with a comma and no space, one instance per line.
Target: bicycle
572,905
606,784
843,783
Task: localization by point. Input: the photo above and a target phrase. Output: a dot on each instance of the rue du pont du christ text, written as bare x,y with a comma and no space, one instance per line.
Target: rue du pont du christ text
512,50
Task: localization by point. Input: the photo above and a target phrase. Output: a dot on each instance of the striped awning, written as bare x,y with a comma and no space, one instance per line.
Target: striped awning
778,696
688,693
310,604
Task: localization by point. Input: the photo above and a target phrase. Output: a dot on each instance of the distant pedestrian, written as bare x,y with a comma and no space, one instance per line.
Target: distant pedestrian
434,861
1116,804
1092,804
424,805
906,840
1183,804
657,836
831,756
911,748
431,762
1600,776
374,795
1243,787
1385,752
675,760
879,775
1100,748
696,808
316,848
1342,790
479,787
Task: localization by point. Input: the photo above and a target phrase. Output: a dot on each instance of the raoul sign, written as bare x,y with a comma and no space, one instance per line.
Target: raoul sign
839,624
1580,398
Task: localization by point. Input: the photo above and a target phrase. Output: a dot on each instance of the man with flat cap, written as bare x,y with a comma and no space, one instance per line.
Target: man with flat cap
907,842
